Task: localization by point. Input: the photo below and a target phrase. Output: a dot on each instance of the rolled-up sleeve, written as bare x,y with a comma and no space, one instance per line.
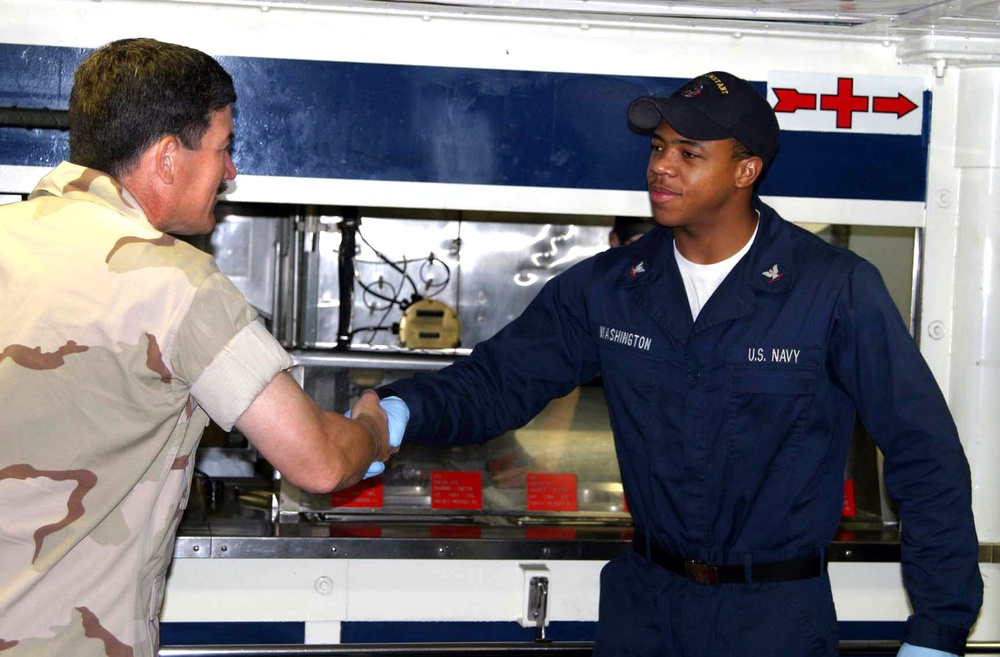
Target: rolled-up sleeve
226,355
231,382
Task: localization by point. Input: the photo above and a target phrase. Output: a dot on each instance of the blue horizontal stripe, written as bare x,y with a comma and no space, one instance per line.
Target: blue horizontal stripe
232,633
459,125
455,631
271,633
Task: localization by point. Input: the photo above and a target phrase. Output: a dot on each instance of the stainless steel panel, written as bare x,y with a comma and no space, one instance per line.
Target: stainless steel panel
243,246
487,271
408,245
505,265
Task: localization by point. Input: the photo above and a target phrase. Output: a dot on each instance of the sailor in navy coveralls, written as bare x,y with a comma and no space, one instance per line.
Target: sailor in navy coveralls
735,350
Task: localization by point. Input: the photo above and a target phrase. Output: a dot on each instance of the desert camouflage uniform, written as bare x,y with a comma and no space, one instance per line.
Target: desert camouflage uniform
113,339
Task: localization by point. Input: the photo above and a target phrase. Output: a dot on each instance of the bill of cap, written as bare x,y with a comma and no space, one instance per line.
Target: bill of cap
645,114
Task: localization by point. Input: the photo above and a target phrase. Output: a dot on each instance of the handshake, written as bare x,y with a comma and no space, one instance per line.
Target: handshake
397,414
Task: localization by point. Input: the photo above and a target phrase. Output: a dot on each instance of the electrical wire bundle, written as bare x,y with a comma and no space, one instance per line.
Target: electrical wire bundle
393,297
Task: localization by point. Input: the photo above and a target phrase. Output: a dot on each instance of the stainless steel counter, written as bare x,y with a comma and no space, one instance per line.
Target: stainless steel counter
244,527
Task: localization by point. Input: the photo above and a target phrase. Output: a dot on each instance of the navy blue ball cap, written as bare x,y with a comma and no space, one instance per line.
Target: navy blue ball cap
715,105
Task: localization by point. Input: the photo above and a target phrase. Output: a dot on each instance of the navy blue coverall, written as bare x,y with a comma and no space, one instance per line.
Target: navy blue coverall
732,434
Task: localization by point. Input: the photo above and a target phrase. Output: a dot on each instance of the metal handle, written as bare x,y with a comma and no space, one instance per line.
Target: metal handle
538,605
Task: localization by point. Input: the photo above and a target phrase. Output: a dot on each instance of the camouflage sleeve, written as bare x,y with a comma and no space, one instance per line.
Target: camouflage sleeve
224,352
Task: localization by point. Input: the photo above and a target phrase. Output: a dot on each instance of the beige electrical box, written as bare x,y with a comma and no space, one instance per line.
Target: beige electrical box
429,324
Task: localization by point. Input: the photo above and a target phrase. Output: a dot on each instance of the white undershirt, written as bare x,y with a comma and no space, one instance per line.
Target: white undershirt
701,281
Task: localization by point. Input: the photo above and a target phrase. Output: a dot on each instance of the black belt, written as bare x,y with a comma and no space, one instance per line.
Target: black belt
709,573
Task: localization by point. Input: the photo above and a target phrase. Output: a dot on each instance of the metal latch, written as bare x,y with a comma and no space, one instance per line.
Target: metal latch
538,604
535,603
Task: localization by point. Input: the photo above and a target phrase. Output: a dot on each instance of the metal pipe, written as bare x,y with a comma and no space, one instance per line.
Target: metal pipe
34,117
348,243
917,284
296,277
309,272
380,360
277,321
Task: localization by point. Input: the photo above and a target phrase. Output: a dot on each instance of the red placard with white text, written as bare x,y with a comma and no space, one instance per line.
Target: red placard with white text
551,492
456,490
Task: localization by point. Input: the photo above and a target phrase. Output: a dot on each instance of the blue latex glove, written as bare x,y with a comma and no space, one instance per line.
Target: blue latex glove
906,650
398,414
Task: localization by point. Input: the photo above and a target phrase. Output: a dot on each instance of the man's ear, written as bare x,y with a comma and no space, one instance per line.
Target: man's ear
165,158
748,171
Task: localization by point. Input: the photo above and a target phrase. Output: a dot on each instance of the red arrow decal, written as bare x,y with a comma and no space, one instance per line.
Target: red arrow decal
900,105
790,100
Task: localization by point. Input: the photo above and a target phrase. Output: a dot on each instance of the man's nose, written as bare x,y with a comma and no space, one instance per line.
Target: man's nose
662,165
230,171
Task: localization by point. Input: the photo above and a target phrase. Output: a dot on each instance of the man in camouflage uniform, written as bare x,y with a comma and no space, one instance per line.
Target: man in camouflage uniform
117,343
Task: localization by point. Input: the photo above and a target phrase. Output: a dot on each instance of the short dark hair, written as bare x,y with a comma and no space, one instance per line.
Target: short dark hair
740,151
130,93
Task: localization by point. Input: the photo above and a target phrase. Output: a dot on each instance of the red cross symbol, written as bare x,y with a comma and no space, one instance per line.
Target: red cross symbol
844,103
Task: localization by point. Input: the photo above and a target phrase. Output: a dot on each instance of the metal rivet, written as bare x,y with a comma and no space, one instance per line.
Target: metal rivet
324,585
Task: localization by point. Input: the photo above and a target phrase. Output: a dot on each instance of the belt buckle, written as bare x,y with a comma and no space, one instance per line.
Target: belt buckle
701,572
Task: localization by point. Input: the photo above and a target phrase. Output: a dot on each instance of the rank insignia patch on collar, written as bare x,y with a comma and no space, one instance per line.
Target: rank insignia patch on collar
773,275
637,269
